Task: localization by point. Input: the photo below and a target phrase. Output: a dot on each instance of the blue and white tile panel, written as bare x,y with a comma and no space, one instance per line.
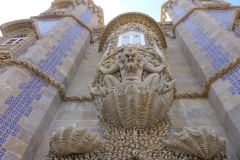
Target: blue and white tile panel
214,52
224,18
86,17
20,105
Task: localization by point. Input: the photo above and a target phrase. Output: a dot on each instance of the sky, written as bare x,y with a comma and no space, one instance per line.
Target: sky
22,9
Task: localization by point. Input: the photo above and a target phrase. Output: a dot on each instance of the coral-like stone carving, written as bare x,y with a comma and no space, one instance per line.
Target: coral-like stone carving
134,107
202,143
73,140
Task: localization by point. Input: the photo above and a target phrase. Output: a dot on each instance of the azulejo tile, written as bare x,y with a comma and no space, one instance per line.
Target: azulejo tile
214,51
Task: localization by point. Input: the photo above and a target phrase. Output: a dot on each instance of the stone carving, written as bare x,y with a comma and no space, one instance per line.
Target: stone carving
202,143
73,140
5,55
170,34
150,36
133,76
131,65
134,17
126,144
133,107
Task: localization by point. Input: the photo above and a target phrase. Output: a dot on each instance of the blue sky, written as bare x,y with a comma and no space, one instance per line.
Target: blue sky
16,9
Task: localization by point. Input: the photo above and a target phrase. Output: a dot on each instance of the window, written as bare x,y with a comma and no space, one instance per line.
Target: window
136,39
125,40
13,41
131,39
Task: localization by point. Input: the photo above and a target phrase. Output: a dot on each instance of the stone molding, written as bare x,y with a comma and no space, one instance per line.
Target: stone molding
5,55
4,61
60,87
135,17
18,26
233,64
50,16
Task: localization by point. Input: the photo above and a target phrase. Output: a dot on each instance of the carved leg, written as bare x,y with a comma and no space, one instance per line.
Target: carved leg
151,80
110,81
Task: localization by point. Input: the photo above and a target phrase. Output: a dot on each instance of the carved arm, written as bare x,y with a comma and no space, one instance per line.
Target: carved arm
111,70
150,68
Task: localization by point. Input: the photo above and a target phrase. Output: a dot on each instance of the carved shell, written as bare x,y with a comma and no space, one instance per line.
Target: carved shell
73,140
133,108
201,143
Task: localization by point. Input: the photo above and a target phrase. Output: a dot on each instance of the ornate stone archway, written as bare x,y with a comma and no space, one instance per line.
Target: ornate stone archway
135,17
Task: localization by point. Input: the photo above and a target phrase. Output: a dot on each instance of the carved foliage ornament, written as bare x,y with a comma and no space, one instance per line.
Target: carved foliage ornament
135,17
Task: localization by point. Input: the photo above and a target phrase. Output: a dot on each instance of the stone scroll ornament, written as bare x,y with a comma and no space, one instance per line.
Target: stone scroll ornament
133,89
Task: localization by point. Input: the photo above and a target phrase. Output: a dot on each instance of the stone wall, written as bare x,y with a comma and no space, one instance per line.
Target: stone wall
209,45
28,103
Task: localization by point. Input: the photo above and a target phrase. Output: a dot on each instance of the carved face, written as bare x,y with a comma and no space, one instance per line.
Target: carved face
131,60
131,57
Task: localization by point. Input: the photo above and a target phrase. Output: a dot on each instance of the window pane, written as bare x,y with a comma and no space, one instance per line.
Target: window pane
136,39
125,40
